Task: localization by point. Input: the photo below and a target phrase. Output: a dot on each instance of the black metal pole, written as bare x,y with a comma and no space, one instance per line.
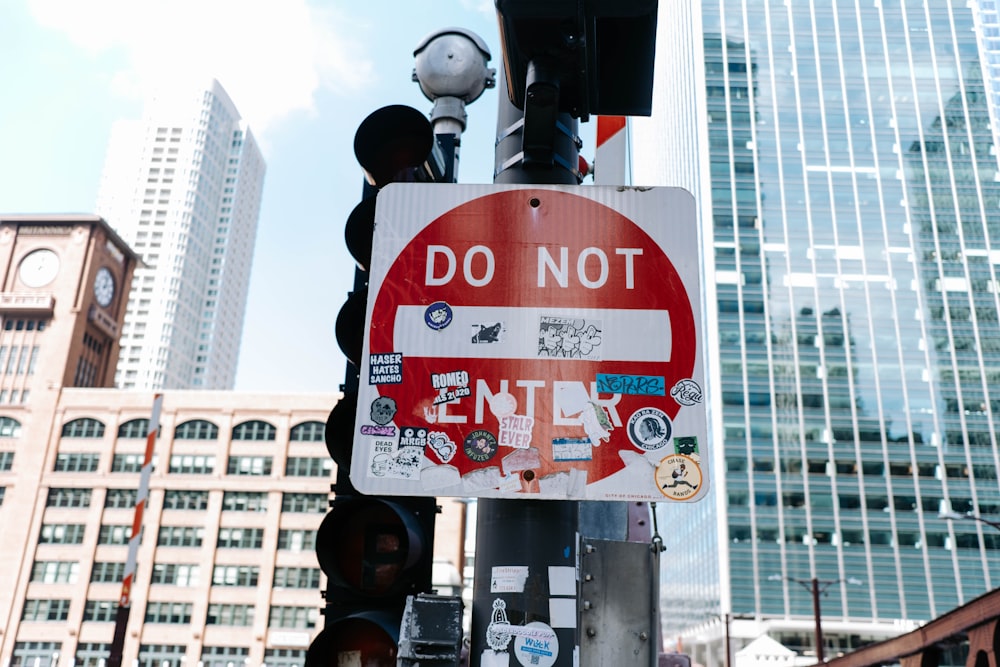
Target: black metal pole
118,640
729,646
530,534
819,622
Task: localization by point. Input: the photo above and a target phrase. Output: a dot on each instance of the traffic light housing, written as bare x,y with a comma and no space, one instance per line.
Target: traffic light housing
374,551
596,56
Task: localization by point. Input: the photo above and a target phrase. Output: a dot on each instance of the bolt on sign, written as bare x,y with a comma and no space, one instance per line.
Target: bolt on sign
533,342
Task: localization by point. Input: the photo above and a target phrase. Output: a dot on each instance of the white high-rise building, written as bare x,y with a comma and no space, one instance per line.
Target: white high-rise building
183,187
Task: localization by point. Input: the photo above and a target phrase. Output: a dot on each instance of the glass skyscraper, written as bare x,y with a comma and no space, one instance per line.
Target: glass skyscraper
845,165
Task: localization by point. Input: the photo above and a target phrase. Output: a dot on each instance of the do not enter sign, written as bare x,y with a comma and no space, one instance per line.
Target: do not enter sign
533,342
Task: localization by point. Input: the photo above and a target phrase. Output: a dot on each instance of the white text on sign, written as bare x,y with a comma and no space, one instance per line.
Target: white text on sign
587,261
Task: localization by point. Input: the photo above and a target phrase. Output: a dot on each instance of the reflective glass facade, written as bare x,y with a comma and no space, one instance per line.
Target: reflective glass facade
844,161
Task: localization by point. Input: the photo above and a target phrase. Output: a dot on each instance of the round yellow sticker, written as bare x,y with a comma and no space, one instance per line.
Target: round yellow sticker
678,477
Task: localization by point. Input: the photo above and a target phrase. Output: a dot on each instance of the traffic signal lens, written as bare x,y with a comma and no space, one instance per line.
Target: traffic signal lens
359,230
340,430
364,640
350,326
392,141
369,546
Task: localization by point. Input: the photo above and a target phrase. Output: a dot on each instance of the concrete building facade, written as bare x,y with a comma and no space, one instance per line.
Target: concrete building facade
226,568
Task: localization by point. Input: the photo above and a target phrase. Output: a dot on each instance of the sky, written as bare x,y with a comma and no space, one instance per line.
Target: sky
303,74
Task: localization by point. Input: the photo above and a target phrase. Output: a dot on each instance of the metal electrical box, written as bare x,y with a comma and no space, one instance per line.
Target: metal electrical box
619,603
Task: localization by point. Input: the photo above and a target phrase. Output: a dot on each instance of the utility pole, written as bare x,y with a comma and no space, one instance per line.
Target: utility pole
558,69
538,534
814,585
816,588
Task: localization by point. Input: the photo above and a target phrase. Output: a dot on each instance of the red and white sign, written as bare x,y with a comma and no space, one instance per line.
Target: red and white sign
533,342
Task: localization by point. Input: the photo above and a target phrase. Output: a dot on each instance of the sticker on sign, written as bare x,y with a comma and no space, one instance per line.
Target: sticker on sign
547,341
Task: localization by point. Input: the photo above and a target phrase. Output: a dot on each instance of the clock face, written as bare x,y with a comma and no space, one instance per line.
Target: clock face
104,287
39,268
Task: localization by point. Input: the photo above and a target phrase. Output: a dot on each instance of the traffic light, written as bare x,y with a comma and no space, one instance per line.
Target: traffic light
595,56
374,551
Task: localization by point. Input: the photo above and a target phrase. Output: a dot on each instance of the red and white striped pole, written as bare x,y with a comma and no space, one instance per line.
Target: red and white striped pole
125,599
611,153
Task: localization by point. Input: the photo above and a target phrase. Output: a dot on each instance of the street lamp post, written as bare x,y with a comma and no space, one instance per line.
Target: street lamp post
949,514
816,587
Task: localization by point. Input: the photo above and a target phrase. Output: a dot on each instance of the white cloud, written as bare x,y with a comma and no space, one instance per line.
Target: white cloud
482,6
271,56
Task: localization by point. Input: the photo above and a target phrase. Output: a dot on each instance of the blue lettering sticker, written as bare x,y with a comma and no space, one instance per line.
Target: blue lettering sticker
639,385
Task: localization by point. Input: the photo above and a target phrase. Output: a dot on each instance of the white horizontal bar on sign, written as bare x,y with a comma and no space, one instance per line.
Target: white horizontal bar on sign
515,332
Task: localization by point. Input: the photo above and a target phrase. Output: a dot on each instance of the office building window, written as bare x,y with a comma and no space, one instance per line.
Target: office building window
35,654
176,574
244,501
230,614
115,534
224,656
185,500
302,618
45,610
240,538
249,465
235,575
296,577
120,498
305,502
296,540
55,571
160,655
308,432
107,572
61,533
135,428
196,429
9,428
180,536
6,461
308,466
92,654
284,657
77,462
83,428
178,613
192,465
130,462
100,611
254,430
66,497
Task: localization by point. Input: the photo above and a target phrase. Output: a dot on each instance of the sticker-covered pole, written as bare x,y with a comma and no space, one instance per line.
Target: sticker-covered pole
524,591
